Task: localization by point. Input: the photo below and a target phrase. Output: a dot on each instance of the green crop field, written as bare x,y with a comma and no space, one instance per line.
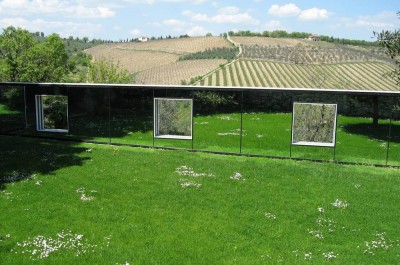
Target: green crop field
349,76
70,203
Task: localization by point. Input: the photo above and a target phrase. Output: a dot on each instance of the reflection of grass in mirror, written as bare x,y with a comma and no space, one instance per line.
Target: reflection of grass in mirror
359,141
55,112
132,129
267,134
5,110
314,123
174,117
394,157
10,119
264,134
220,132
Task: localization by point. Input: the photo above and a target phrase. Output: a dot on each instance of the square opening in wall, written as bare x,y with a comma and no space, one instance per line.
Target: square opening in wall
314,124
52,113
173,118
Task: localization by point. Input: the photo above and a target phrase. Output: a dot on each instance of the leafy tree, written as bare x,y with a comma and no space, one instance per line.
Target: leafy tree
390,40
14,43
24,59
106,72
45,62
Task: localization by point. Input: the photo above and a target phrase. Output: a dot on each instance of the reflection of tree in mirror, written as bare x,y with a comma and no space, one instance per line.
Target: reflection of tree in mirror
55,112
314,123
174,117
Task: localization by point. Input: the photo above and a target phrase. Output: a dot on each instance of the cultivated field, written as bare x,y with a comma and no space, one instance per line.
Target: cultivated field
266,41
134,61
251,73
264,62
137,57
70,203
174,73
310,54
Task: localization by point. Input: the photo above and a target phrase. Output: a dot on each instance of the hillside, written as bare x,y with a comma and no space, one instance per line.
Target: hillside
305,52
160,57
273,62
351,76
261,62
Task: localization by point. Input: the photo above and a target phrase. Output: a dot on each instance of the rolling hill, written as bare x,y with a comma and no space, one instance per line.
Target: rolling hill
260,62
157,61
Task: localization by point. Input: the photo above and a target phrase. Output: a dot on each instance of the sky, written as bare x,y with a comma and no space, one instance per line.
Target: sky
126,19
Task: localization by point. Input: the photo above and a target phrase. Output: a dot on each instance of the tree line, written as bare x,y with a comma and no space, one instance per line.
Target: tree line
301,35
214,53
27,57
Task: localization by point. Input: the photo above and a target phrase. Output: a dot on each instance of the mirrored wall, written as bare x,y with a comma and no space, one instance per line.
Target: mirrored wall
342,126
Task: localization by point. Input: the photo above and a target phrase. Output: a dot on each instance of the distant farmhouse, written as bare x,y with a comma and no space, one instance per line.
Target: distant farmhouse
314,37
143,39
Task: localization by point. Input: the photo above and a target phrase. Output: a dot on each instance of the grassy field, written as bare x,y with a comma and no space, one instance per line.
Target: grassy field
66,203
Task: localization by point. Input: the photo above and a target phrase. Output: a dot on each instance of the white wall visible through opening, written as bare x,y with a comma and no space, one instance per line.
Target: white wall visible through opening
52,113
173,118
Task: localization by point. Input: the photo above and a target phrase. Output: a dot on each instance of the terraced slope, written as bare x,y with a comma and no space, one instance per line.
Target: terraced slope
265,41
137,57
174,73
251,73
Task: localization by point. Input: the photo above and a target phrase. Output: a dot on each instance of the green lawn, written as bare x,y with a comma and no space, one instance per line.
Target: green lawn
122,204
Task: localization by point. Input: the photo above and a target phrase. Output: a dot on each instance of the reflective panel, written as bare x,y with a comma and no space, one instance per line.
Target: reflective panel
394,139
314,124
252,121
52,113
217,120
173,118
363,129
89,111
12,110
132,116
267,122
47,111
170,121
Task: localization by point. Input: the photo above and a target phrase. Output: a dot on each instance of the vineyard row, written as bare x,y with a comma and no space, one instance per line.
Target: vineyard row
353,76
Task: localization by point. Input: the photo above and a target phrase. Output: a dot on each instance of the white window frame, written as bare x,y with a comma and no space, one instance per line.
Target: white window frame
40,125
320,144
157,115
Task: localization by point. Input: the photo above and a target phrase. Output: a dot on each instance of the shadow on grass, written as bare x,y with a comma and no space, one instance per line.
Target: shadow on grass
22,158
378,132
